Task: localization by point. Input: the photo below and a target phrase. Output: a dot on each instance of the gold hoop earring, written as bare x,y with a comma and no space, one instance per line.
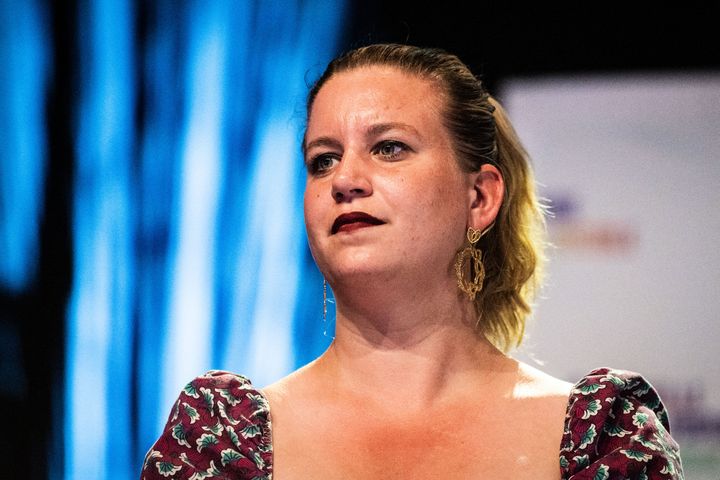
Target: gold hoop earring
476,269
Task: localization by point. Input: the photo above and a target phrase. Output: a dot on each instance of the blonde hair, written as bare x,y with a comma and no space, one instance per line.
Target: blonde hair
482,133
514,248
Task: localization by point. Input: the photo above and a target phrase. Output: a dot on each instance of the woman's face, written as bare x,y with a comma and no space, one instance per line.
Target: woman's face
385,194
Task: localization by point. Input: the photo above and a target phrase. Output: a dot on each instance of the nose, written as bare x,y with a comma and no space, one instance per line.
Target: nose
351,179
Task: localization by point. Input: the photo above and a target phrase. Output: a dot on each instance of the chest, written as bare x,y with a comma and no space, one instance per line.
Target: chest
468,444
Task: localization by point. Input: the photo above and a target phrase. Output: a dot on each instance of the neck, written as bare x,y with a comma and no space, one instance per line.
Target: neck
407,347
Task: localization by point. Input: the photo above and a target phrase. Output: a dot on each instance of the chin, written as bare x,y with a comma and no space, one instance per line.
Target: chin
355,268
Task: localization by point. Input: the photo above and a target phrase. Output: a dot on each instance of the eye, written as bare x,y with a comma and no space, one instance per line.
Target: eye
321,163
390,149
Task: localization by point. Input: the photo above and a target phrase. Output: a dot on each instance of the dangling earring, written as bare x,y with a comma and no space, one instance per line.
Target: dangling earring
476,269
324,301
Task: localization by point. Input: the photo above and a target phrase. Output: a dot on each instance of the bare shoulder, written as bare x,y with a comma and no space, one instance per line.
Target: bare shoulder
534,383
292,387
278,390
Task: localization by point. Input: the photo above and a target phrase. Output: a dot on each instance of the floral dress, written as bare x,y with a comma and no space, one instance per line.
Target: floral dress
219,428
615,428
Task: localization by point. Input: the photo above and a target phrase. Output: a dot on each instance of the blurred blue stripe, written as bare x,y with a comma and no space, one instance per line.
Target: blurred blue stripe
191,302
98,400
24,62
158,180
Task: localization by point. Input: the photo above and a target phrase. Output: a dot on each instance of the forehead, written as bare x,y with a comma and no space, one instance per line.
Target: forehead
376,94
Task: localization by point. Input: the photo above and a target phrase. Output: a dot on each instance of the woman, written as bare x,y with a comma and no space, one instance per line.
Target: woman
421,214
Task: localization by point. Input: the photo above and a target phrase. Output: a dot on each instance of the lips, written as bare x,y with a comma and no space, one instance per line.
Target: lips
348,222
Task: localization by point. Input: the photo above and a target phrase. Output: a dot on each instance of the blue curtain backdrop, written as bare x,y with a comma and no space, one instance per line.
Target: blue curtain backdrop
24,52
189,251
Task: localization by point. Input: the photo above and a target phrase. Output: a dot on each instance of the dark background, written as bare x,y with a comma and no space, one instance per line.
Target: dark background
497,40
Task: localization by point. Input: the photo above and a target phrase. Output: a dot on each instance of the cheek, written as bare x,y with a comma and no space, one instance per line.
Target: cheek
444,206
443,196
433,212
313,210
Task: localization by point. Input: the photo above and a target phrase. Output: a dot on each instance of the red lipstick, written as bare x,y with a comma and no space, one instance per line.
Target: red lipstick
348,222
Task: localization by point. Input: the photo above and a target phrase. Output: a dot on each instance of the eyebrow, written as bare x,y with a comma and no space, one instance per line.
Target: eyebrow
381,128
321,142
372,131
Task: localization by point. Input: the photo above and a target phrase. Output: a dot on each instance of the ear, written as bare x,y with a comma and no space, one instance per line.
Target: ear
487,196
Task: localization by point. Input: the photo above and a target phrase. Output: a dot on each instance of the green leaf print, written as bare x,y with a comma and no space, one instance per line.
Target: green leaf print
167,468
582,460
212,470
192,414
229,455
208,399
640,419
636,455
216,429
231,399
206,440
660,428
225,415
250,431
602,473
176,411
259,462
564,462
258,402
590,389
191,391
198,474
642,390
591,409
614,380
179,434
645,442
588,437
615,430
669,469
152,454
627,406
233,436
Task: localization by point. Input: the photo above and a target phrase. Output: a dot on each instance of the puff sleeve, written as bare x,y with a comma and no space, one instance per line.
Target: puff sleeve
219,428
616,427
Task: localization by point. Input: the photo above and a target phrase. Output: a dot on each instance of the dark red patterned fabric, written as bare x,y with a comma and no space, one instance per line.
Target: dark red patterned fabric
615,428
219,429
